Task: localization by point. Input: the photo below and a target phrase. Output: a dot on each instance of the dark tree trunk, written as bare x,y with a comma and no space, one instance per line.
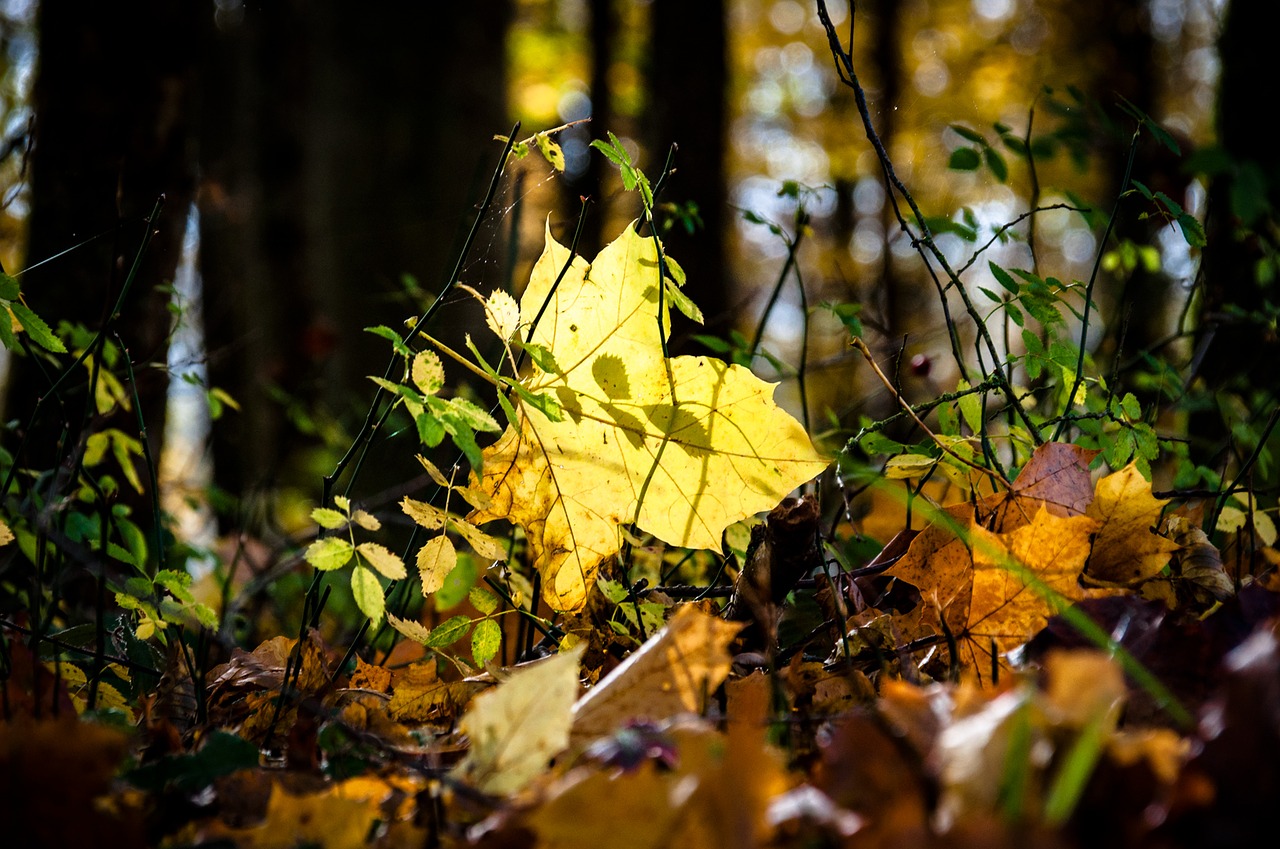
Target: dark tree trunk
112,110
1242,203
343,150
687,84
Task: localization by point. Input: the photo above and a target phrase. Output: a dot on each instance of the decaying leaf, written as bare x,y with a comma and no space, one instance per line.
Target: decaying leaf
673,673
418,694
682,447
517,728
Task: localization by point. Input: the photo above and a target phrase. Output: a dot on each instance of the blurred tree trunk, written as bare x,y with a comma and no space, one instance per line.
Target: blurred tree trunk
604,30
111,100
342,151
1241,219
687,84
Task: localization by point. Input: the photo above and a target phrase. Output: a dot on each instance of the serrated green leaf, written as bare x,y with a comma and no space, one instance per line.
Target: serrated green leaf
483,600
1192,231
683,302
367,590
396,339
541,357
476,417
328,518
485,641
329,553
9,287
430,429
448,632
7,338
36,328
387,564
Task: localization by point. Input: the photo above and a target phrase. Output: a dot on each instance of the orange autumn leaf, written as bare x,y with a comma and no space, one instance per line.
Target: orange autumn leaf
977,590
1004,607
1126,550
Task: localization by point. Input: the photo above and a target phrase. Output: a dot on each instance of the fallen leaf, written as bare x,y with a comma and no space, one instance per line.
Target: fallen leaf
980,595
1056,478
1126,550
518,727
716,795
673,673
682,447
326,820
1004,607
418,694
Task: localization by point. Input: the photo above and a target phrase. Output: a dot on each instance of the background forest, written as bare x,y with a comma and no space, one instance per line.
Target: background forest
219,220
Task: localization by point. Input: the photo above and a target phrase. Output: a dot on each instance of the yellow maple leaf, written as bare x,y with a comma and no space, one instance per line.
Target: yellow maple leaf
682,465
1126,550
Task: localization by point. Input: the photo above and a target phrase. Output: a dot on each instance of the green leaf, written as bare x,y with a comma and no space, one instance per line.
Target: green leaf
367,590
968,134
448,632
683,302
964,159
36,328
329,553
970,407
483,600
457,585
430,428
6,329
1192,231
996,163
396,339
485,641
328,518
542,357
9,287
221,754
476,417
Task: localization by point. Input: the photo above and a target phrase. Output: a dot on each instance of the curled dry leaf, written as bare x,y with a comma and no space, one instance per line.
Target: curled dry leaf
671,674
